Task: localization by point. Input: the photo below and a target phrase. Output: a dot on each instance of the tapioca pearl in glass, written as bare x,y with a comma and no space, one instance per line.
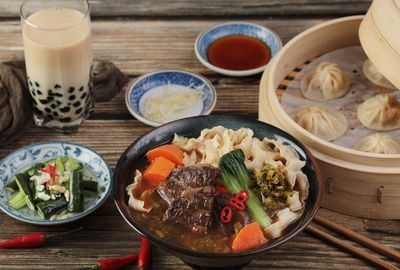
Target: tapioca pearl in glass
78,111
76,104
65,109
44,101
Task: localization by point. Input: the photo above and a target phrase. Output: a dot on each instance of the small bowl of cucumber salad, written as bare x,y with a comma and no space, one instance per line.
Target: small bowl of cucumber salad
53,182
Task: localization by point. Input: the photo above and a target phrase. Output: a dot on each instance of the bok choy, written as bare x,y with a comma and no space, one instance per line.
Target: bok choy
235,178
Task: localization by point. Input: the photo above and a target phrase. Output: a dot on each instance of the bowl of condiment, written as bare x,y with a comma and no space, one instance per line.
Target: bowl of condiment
167,95
176,186
237,48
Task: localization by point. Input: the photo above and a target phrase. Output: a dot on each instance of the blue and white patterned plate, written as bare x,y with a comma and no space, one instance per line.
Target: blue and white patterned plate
144,85
95,167
210,35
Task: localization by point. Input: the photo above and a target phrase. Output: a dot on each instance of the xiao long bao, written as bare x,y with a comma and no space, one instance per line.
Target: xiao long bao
325,123
381,112
378,143
373,74
326,82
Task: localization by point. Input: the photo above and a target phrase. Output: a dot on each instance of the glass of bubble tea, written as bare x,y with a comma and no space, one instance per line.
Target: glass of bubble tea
58,59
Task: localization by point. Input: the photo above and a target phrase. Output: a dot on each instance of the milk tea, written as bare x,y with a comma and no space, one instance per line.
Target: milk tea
58,58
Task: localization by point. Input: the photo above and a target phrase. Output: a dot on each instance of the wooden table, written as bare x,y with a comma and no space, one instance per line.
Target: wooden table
141,36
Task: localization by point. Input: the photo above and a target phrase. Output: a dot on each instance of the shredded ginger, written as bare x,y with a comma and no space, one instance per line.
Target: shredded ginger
167,106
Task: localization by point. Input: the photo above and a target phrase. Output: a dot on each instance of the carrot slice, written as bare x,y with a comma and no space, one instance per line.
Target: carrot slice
250,236
159,169
168,151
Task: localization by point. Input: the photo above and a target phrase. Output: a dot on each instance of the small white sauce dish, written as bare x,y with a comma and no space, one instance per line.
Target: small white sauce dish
210,35
155,84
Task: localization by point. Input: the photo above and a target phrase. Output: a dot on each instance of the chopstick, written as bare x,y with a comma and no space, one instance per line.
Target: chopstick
352,249
388,252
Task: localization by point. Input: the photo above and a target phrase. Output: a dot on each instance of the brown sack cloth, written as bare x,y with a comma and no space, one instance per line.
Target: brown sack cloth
15,101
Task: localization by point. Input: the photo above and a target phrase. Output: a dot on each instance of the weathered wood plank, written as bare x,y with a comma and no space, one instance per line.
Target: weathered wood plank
109,138
107,234
110,236
138,47
142,46
210,8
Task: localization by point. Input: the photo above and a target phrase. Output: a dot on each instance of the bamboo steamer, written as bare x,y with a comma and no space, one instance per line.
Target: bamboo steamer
356,183
380,39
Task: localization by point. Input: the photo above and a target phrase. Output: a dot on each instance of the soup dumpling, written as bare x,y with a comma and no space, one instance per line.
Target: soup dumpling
375,76
326,82
381,112
325,123
378,143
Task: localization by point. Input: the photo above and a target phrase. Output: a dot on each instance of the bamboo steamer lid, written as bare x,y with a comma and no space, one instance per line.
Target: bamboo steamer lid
356,183
380,39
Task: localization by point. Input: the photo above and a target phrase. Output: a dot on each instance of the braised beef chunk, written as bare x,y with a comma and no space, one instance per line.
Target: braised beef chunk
239,218
189,192
193,209
185,178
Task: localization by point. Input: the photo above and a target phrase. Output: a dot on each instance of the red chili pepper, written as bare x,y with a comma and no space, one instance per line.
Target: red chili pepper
31,240
115,263
220,189
237,204
243,195
144,254
52,171
226,214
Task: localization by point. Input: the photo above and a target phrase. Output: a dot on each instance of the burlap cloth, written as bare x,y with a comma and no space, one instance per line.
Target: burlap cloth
15,100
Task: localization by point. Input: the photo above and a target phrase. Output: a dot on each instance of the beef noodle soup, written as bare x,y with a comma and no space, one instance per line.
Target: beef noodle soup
224,191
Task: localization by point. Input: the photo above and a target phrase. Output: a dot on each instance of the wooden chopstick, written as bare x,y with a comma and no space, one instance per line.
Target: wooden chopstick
388,252
351,249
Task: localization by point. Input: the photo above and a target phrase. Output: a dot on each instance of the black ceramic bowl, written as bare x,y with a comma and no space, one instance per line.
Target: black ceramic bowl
191,127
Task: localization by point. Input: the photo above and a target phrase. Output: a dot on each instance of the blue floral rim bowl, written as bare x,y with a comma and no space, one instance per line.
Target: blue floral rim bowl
149,84
210,35
94,167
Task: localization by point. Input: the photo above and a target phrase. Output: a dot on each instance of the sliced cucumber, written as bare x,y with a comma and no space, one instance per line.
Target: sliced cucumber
12,186
24,186
30,203
76,192
59,166
90,185
47,209
18,200
89,194
34,170
72,165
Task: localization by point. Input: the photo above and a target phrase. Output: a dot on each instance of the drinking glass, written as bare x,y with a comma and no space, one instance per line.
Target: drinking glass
58,59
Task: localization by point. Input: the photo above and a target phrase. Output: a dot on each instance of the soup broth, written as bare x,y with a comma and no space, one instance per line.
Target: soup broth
217,240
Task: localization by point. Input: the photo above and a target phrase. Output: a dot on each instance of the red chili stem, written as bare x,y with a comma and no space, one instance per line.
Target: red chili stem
144,254
115,263
49,236
31,240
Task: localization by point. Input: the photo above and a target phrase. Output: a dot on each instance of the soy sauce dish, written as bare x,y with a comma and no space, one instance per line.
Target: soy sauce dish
201,188
237,48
